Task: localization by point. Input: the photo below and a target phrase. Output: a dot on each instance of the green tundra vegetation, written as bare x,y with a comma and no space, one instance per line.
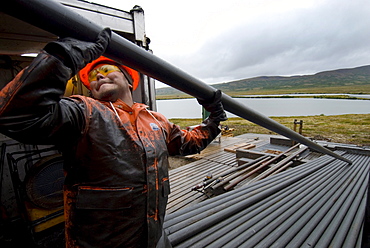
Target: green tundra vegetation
348,129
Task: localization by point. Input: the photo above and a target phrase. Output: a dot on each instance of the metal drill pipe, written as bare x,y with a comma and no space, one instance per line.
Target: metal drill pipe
317,202
326,212
354,209
342,211
275,212
283,153
223,235
278,166
353,235
241,167
221,231
261,166
264,164
63,22
191,226
242,193
255,166
176,237
342,194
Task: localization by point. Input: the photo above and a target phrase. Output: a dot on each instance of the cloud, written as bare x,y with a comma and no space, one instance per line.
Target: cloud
328,36
219,41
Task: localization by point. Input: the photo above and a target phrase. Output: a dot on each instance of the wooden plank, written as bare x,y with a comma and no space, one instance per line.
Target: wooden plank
233,148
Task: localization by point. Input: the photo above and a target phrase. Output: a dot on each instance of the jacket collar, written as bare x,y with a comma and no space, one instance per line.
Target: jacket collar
119,104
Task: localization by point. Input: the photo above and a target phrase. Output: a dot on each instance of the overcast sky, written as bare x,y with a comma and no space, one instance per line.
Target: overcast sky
221,41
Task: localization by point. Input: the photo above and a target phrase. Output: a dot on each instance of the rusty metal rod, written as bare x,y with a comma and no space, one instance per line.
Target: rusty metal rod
239,169
263,164
243,193
283,154
64,22
277,167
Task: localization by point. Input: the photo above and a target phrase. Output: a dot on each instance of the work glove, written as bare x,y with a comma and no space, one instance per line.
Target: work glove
214,106
76,54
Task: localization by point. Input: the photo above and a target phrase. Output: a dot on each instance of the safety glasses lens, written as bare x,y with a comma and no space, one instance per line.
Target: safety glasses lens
104,70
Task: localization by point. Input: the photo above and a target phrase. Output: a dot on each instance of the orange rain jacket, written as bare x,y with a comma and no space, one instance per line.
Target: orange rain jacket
116,160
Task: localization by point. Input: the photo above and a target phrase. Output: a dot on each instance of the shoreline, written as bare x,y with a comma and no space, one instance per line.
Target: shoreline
349,96
346,128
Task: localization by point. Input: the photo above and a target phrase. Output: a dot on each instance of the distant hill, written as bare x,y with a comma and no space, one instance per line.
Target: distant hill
354,80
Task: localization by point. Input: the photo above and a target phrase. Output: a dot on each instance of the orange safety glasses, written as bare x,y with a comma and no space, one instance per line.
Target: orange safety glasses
104,70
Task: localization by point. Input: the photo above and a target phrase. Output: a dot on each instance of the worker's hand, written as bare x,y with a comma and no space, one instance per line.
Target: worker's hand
214,106
76,54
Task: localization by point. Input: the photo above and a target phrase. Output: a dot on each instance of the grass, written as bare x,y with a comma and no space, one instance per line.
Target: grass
355,89
341,97
348,129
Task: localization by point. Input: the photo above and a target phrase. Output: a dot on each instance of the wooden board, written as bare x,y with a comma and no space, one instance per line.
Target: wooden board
245,146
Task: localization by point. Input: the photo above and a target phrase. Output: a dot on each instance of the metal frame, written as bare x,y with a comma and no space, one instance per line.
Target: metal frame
21,162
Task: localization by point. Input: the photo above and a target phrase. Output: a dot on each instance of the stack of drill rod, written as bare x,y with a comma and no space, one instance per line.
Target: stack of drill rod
263,166
318,204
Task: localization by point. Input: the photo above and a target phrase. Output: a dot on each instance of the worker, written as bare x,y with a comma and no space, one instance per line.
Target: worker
115,150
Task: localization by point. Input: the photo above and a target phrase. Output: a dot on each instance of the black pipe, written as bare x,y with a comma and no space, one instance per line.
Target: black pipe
243,193
190,226
322,192
59,20
247,166
221,231
318,200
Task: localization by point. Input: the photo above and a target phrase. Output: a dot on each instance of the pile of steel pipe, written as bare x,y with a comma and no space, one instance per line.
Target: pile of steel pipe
261,165
212,161
181,195
234,172
319,204
280,166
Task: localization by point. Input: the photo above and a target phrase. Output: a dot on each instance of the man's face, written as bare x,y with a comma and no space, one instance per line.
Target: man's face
107,83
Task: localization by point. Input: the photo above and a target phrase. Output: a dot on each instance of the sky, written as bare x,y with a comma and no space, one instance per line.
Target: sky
222,41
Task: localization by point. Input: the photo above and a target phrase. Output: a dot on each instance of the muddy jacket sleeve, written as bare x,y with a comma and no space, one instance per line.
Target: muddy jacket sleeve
184,142
31,106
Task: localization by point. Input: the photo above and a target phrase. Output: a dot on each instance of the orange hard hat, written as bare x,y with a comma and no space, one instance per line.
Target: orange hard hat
84,72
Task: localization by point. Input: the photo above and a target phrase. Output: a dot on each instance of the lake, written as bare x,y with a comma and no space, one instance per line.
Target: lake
189,108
